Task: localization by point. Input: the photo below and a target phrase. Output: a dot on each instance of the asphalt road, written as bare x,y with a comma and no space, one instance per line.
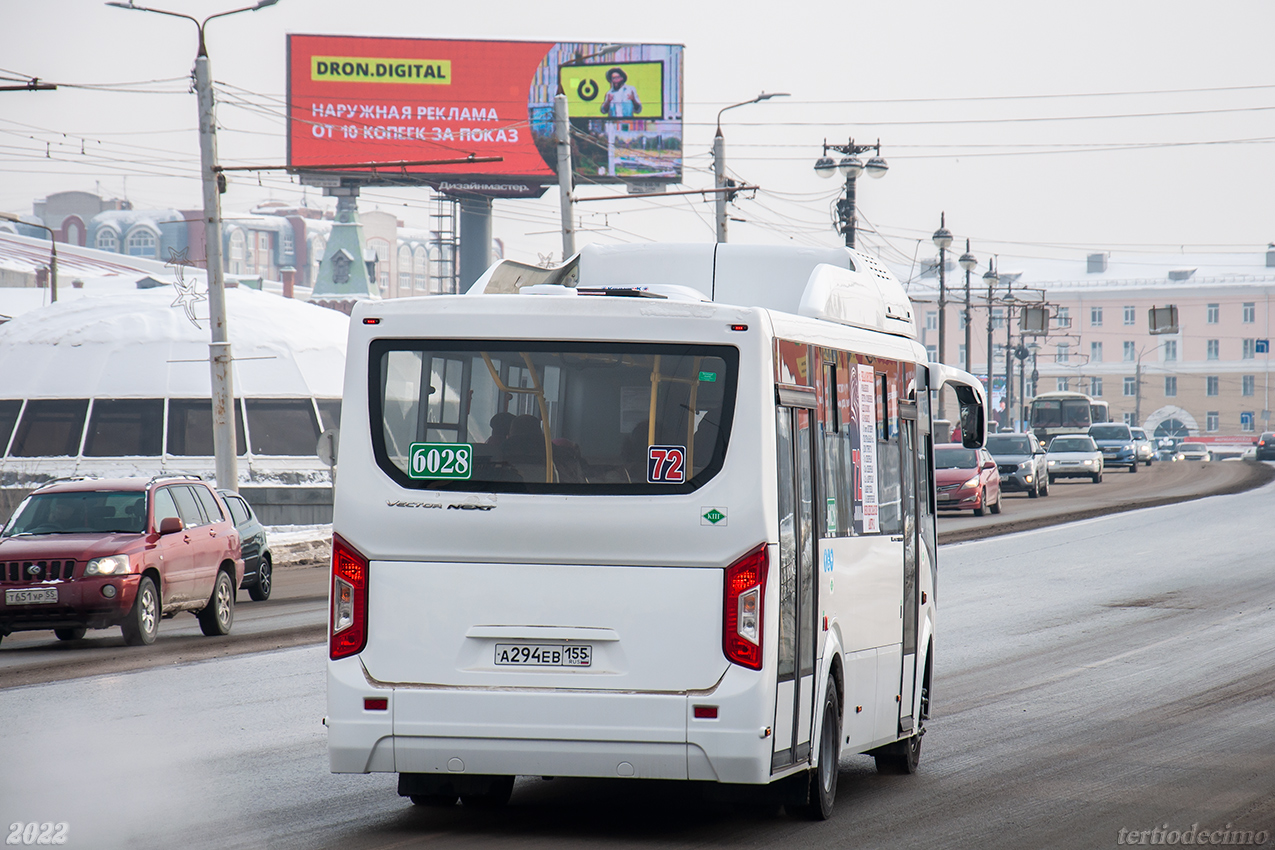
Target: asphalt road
1107,675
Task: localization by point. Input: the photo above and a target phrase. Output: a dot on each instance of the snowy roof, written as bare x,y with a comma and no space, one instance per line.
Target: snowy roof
141,344
1114,271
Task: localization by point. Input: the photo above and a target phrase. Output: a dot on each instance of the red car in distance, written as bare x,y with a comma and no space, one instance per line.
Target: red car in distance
966,479
89,553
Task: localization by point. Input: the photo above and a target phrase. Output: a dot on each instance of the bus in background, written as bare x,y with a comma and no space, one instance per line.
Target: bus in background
663,512
1061,412
1099,411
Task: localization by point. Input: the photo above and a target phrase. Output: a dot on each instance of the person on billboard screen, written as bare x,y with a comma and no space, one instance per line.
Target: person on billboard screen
621,99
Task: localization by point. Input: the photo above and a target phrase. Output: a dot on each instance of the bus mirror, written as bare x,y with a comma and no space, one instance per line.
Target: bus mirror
973,418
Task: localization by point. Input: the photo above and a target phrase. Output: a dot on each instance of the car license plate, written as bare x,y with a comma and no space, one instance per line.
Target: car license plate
31,597
544,655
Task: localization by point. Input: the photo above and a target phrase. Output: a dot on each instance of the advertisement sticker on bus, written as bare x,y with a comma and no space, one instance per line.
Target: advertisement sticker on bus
867,416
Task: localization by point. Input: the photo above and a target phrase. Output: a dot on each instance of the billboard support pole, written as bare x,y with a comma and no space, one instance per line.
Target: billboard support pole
562,130
475,239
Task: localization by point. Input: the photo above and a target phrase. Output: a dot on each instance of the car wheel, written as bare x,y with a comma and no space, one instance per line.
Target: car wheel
259,591
1034,492
218,615
142,624
1051,481
1133,467
1097,479
823,779
72,633
996,508
982,500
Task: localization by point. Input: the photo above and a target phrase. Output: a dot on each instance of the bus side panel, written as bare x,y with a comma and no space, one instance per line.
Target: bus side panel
860,710
867,590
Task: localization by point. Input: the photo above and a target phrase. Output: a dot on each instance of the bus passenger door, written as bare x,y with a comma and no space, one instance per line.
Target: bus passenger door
911,549
794,706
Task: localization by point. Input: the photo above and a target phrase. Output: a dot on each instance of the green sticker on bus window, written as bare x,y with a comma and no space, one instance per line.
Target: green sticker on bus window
708,377
447,461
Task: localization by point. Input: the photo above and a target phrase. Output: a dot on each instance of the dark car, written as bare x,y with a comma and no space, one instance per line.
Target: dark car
1020,459
1266,446
95,553
966,479
1118,446
258,563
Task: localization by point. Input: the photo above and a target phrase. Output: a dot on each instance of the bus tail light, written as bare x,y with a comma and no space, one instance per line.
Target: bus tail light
742,622
348,633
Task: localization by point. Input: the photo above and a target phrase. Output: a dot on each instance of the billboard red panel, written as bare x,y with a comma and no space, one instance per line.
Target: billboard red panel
359,99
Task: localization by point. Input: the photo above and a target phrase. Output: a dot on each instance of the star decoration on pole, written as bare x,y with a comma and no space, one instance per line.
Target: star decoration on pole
187,296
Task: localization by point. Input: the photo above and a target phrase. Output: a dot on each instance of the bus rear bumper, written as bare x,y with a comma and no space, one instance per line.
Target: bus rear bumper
481,731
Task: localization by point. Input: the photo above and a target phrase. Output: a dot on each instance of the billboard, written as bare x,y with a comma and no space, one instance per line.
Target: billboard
357,99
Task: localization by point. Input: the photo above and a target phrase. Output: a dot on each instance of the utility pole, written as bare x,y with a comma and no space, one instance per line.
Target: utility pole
1009,361
942,240
562,129
990,278
969,263
219,354
851,167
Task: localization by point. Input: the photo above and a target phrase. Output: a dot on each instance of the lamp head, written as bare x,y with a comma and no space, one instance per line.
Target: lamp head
968,261
825,166
877,167
942,238
851,166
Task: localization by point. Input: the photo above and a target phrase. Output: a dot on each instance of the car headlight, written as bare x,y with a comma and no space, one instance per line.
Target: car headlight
1088,462
973,482
111,565
1027,464
1051,462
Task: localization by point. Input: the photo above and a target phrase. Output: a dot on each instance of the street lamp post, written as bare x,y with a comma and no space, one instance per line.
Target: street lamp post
991,279
219,354
719,161
942,240
53,252
851,167
969,263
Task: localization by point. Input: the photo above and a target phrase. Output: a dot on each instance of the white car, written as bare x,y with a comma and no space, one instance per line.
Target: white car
1073,456
1194,451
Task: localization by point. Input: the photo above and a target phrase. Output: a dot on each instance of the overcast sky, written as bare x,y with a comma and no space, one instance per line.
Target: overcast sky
1043,130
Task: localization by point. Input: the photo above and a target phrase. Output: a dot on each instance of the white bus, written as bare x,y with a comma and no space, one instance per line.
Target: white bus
662,512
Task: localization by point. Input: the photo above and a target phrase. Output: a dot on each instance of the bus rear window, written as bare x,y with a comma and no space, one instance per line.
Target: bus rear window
621,417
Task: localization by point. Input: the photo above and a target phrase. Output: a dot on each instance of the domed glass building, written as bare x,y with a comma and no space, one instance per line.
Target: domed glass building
120,385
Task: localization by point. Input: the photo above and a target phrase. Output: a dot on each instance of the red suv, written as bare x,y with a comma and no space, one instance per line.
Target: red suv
95,553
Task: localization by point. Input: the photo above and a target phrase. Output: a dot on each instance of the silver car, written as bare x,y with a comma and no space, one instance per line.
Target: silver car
1074,456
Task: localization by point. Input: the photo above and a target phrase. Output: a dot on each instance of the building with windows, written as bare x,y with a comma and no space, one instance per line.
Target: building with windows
1210,378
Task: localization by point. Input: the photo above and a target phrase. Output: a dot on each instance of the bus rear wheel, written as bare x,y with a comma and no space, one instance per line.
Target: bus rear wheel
900,757
823,778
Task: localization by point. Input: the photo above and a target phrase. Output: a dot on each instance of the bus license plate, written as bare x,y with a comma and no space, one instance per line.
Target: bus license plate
31,597
543,655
